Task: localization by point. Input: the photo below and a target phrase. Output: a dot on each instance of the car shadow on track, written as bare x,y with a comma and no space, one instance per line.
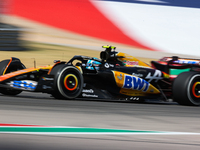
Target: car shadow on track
47,97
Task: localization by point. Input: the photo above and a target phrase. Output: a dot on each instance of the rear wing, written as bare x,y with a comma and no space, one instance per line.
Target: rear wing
181,61
169,64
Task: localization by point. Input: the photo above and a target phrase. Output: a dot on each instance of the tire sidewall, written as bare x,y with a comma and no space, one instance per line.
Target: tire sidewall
59,82
191,82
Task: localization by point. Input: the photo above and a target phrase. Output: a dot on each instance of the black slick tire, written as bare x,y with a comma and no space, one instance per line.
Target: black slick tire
68,82
186,89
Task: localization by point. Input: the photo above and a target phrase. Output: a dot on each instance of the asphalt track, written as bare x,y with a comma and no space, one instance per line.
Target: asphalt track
41,109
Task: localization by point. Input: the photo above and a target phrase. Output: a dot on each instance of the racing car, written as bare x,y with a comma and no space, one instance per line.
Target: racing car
115,75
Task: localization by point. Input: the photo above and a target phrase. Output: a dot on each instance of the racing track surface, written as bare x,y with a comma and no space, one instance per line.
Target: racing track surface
41,109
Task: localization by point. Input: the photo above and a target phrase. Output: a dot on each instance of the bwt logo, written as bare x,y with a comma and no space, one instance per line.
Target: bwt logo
131,82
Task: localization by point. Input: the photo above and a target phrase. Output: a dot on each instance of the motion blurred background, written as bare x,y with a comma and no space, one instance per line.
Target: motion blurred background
47,30
59,29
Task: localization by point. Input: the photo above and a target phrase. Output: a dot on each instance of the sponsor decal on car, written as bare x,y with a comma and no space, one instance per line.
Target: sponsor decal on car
187,61
107,65
157,75
88,91
45,79
131,82
130,63
119,77
89,95
181,60
137,74
132,85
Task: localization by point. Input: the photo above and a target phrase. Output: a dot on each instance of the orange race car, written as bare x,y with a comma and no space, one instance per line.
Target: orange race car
115,75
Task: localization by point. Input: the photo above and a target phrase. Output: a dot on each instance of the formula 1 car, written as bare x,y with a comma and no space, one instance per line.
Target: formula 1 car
115,75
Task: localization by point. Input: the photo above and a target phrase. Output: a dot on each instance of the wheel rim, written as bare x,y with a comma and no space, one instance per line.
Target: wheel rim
196,89
70,82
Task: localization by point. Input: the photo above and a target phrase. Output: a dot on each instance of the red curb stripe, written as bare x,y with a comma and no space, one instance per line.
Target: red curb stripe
21,125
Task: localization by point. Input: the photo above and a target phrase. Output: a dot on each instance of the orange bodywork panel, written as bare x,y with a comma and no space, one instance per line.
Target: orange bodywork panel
130,61
23,71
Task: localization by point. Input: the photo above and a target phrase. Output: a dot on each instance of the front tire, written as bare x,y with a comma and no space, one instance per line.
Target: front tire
186,89
68,83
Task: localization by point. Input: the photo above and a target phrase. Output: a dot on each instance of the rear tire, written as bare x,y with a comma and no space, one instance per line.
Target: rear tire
186,89
68,83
